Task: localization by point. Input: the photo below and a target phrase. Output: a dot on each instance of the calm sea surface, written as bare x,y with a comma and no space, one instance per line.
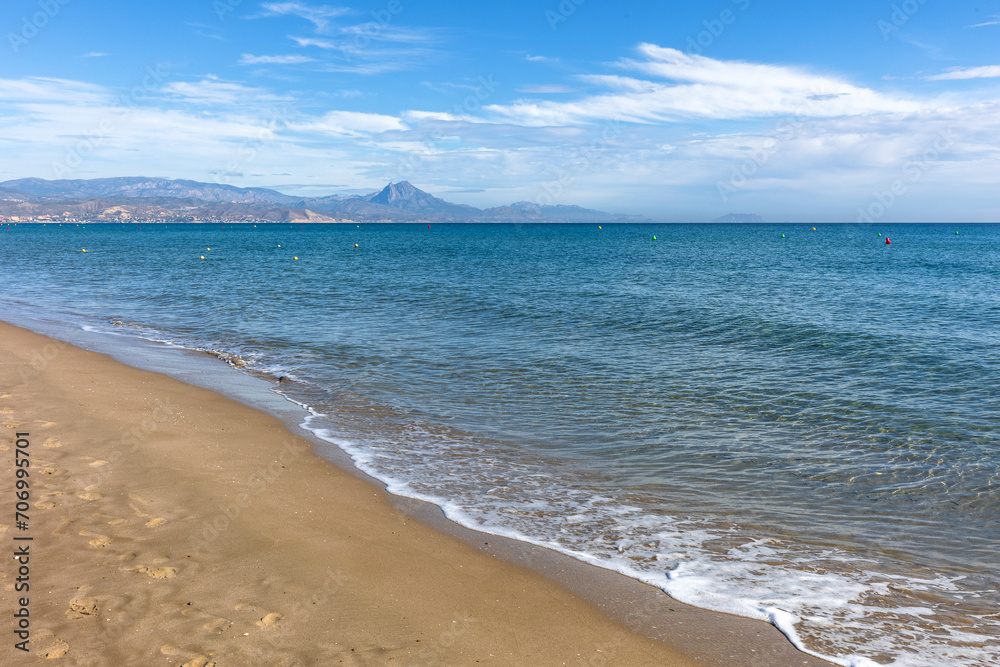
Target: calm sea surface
804,428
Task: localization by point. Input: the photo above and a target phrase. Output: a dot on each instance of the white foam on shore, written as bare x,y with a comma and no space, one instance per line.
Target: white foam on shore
755,578
760,579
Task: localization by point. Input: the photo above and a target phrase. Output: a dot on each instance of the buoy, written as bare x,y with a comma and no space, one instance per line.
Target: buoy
203,257
814,229
782,236
880,235
654,237
279,245
428,226
207,248
294,257
887,241
355,245
599,227
956,233
84,250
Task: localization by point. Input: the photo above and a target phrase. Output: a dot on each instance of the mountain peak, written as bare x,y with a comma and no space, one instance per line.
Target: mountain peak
396,193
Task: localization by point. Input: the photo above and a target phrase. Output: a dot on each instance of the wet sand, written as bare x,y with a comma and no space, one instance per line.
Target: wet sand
170,525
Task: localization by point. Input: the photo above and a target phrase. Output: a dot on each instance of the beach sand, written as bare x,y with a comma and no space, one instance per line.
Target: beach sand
173,526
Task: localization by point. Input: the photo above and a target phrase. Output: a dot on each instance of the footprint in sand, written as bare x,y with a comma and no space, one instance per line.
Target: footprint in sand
100,541
45,505
89,496
6,411
153,523
162,572
4,448
48,471
97,464
44,423
200,661
57,650
269,621
218,625
80,607
117,522
51,443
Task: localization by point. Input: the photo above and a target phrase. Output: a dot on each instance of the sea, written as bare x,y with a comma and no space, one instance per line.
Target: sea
793,422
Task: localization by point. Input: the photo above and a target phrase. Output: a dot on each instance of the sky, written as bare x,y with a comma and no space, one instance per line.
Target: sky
855,110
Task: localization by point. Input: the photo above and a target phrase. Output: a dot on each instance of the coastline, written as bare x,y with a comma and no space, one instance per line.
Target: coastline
187,527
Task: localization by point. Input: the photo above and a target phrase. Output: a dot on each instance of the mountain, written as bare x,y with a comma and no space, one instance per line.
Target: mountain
140,187
524,211
160,199
740,217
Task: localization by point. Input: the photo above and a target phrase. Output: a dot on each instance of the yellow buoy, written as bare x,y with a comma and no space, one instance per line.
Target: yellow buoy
355,245
599,227
203,257
84,250
294,257
207,248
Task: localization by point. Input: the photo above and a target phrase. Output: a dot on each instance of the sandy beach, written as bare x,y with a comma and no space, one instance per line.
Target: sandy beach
170,525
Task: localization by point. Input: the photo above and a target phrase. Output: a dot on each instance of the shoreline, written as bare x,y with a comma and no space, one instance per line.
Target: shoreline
207,465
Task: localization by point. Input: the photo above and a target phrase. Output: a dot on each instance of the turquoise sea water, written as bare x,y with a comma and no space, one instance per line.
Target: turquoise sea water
802,429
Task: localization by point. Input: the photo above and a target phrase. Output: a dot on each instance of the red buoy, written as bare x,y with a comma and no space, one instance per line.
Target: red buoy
887,241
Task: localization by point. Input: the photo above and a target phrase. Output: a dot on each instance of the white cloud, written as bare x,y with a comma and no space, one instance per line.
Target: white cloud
317,15
351,123
47,89
987,23
546,89
687,86
212,91
95,54
959,73
249,59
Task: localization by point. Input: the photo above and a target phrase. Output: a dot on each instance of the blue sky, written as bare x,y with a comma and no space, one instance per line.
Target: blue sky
834,111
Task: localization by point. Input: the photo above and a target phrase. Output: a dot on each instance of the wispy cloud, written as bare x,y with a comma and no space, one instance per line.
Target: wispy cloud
320,16
213,91
546,89
959,73
995,21
350,123
95,54
248,59
691,86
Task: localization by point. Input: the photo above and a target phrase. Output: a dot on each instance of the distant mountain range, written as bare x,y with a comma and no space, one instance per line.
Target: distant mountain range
162,200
